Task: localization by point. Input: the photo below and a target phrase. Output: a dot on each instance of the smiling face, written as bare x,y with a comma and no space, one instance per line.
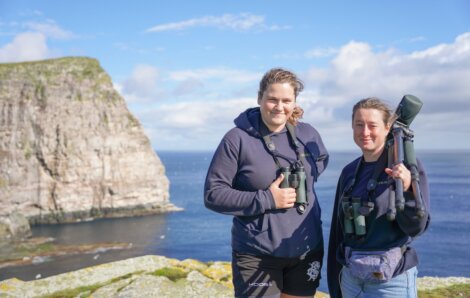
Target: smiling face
277,105
370,132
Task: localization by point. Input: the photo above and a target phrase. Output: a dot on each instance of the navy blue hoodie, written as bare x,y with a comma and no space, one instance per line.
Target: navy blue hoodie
381,234
238,181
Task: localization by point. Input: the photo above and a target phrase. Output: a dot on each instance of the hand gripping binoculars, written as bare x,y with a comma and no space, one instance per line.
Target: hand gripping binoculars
296,178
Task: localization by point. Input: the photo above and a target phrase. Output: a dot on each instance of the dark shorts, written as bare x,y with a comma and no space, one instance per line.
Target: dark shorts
255,276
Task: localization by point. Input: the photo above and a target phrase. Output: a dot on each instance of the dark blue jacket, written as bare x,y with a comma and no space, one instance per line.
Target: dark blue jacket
238,181
381,233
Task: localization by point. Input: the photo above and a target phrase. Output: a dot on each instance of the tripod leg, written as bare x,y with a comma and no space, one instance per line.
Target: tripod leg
413,164
398,158
392,211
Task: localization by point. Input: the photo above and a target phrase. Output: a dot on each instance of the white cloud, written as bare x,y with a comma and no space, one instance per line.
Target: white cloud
26,46
192,125
457,52
32,44
142,86
437,75
188,86
240,22
199,115
148,84
50,29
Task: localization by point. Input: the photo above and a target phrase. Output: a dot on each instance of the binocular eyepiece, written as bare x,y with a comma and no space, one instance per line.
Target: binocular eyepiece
296,178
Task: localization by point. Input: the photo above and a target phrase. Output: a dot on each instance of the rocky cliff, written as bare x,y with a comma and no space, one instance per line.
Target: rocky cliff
69,147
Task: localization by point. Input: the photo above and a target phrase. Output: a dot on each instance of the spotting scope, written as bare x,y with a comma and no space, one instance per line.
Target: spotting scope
401,150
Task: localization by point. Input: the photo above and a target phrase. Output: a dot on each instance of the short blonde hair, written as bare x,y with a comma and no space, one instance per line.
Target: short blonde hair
376,104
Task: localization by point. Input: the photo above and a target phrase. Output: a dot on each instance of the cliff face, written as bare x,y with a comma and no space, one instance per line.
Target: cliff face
70,148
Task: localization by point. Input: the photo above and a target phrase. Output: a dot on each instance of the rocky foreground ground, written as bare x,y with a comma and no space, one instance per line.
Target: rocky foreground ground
154,276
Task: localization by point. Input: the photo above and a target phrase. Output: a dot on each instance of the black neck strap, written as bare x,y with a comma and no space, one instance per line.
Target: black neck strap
266,136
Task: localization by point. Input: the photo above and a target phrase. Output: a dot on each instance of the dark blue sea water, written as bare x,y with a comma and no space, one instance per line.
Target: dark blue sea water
204,235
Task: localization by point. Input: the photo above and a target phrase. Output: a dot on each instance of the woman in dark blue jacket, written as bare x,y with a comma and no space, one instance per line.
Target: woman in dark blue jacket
370,255
277,238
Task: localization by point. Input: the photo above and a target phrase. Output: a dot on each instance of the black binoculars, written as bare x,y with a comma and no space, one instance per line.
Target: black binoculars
296,179
355,210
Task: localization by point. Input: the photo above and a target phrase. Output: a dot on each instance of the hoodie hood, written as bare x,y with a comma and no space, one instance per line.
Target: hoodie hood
249,121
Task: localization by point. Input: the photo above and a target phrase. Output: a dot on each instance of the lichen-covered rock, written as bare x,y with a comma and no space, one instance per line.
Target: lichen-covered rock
127,278
196,285
221,272
87,277
137,277
430,283
69,147
193,264
14,226
111,289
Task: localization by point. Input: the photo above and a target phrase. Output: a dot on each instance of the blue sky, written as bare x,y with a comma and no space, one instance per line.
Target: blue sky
187,68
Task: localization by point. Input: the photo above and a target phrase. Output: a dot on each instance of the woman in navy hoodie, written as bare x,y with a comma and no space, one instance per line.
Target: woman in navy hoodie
277,238
370,252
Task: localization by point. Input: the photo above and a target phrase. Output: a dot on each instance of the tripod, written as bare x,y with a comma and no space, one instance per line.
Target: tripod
401,150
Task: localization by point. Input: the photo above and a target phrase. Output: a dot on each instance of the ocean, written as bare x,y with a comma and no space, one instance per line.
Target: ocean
199,233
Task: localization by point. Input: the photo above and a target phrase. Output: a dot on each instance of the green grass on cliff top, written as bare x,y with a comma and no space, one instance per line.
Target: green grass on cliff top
458,290
47,70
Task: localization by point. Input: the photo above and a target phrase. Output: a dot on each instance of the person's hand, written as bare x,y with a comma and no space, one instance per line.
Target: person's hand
283,197
399,171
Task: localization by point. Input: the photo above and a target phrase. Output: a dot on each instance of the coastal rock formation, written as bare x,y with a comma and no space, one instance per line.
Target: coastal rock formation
69,147
146,276
158,276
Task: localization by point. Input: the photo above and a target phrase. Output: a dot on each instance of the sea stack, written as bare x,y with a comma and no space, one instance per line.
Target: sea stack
69,147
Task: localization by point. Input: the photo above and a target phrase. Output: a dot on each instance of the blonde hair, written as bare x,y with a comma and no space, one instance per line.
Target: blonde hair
377,104
280,75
